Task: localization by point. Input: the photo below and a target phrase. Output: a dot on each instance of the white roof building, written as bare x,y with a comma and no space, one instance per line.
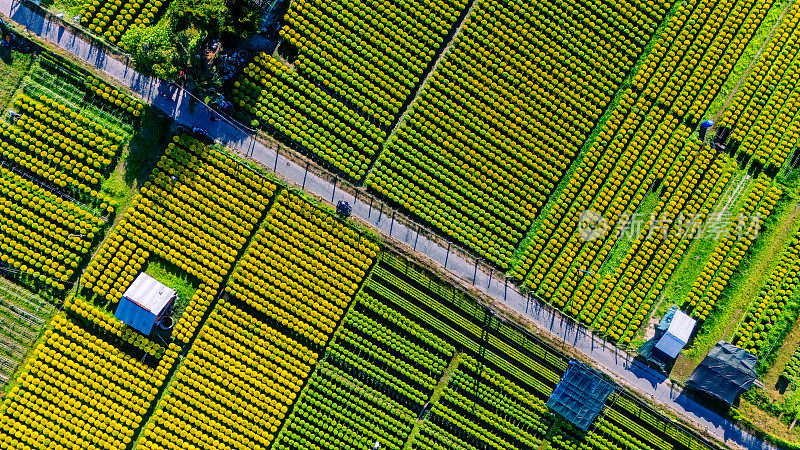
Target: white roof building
677,335
144,302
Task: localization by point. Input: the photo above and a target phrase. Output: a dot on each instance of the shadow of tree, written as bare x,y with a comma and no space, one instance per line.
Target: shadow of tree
6,56
146,145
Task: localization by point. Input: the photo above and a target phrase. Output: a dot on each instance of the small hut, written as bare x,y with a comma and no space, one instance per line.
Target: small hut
677,335
145,303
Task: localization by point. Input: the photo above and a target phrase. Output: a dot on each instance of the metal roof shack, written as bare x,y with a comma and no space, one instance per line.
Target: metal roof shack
677,335
144,303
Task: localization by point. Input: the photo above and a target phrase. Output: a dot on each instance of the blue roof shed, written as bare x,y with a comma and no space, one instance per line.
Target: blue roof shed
678,334
144,303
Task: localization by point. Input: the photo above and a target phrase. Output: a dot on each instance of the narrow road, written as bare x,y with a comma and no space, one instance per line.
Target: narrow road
614,361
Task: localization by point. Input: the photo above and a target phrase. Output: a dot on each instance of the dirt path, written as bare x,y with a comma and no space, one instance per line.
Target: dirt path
447,43
726,194
732,198
438,391
750,66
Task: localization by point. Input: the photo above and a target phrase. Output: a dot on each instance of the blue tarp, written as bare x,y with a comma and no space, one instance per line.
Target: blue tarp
135,316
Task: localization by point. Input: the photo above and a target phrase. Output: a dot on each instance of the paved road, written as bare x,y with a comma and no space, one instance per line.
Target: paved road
175,102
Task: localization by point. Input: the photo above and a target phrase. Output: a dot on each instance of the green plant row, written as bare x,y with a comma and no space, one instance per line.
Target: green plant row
358,50
340,411
79,390
775,308
661,427
792,369
493,408
370,333
196,211
445,291
469,336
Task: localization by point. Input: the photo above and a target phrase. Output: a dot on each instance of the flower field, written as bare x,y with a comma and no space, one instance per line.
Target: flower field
112,19
112,97
321,338
357,65
765,109
281,98
481,168
643,156
302,268
556,143
79,391
478,155
68,150
475,160
84,92
282,307
492,380
196,211
728,253
234,387
370,53
63,136
44,236
54,157
776,307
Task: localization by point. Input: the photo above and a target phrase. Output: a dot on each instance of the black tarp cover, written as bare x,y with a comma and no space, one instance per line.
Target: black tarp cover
580,395
725,373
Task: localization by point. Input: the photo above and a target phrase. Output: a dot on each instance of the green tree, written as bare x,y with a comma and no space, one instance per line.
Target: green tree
178,42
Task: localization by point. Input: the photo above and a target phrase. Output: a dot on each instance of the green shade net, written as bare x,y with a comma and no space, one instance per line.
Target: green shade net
580,395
